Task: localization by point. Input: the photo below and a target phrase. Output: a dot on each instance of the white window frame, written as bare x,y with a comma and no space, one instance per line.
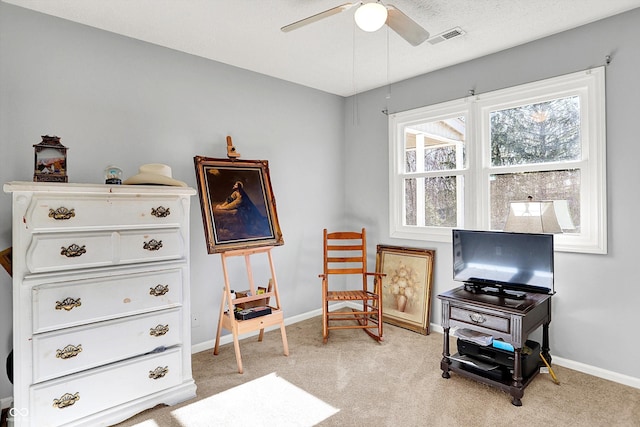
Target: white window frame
397,124
589,85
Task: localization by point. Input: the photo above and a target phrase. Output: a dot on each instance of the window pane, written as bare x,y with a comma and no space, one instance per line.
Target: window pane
435,146
441,201
536,133
437,195
410,159
410,217
440,157
561,186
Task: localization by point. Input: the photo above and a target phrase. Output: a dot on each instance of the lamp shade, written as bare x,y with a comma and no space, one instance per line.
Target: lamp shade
532,217
371,17
562,213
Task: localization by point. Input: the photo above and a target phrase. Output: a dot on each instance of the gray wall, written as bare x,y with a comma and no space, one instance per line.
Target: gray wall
595,310
117,100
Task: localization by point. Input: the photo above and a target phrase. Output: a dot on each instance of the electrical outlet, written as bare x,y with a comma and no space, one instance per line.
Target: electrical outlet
195,322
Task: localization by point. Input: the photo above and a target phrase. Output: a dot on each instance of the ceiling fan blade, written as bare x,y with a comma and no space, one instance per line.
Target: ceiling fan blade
406,27
318,16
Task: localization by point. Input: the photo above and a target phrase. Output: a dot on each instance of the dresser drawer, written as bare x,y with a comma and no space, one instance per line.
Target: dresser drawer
62,401
50,212
73,350
488,321
72,251
153,245
72,303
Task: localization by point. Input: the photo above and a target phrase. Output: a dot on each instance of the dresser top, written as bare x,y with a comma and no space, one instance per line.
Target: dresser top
57,187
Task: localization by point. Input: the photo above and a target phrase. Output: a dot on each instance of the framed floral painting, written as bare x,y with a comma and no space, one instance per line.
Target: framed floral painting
406,288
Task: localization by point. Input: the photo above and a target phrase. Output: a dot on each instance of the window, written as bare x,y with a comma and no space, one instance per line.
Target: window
459,164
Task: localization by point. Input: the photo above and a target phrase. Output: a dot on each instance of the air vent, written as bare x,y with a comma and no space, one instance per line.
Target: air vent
447,35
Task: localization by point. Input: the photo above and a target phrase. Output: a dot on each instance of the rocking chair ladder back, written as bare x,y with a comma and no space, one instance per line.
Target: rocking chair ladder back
345,253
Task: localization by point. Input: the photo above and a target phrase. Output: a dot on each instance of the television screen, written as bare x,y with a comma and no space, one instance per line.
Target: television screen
504,260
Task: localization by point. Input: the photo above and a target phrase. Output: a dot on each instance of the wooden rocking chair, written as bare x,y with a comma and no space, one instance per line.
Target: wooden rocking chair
345,253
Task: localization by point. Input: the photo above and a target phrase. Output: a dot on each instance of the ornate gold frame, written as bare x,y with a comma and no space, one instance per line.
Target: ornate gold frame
406,288
228,224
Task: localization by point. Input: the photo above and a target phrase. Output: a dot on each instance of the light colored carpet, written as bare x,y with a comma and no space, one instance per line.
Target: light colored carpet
399,383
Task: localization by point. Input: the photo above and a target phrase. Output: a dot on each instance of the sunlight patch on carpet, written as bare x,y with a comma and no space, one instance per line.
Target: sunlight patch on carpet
266,401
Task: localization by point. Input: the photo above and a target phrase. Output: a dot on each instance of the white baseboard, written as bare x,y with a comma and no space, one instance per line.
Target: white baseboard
598,372
581,367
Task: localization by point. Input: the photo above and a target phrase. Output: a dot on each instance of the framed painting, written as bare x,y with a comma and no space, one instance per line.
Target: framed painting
406,288
238,206
5,260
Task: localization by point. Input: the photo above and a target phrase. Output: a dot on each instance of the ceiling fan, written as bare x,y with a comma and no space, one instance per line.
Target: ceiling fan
371,17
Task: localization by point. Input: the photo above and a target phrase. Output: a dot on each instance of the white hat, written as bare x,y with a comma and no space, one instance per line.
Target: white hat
154,174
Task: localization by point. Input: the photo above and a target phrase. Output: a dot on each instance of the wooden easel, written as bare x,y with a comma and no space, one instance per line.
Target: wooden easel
227,318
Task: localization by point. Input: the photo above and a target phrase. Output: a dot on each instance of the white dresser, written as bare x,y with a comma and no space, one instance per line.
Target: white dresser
101,318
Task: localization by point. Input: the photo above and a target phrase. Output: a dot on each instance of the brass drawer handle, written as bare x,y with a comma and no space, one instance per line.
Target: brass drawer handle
160,212
73,251
68,304
477,318
69,351
152,245
62,213
66,400
159,290
159,372
159,330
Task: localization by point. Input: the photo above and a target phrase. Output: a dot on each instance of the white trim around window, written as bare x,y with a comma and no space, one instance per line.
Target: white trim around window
473,191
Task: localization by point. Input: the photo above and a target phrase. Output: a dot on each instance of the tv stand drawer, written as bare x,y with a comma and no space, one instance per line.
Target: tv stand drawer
481,319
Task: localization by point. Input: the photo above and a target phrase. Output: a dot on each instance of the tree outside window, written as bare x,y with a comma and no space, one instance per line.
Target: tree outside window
536,134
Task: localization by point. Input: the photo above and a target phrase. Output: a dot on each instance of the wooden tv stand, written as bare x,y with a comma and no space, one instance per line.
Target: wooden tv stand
511,320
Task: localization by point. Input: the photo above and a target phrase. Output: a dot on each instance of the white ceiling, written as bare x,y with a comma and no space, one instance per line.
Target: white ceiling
331,54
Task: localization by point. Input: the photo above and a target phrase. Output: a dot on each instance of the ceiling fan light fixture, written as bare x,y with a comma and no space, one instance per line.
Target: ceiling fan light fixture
371,17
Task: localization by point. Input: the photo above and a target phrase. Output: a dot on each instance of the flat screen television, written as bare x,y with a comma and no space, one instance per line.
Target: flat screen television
503,263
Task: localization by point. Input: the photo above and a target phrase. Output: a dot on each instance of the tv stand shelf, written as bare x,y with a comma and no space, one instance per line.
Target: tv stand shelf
505,318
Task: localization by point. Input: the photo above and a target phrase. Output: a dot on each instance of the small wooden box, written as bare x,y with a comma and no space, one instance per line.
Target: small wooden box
257,303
